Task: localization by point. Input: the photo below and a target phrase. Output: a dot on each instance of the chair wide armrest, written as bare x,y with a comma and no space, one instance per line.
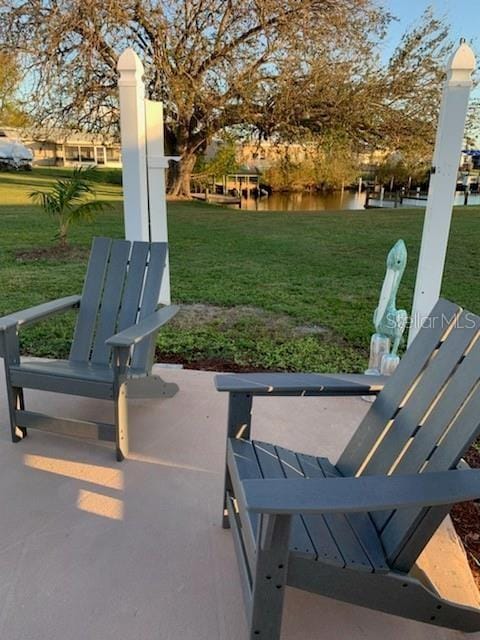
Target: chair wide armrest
40,312
284,384
138,332
362,494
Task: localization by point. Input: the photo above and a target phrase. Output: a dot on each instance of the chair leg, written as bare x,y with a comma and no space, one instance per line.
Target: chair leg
270,579
228,489
9,350
239,423
121,422
15,403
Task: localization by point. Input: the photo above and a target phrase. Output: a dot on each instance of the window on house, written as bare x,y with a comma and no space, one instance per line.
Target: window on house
86,154
100,155
113,155
71,153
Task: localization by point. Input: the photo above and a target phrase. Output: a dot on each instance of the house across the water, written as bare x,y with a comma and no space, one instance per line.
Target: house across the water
63,148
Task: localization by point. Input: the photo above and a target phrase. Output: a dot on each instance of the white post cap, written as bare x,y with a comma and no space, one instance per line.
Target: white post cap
461,64
130,67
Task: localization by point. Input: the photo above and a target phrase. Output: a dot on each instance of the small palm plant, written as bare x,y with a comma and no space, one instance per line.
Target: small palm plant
70,200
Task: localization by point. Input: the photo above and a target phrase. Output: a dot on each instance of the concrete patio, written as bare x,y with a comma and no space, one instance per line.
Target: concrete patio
95,549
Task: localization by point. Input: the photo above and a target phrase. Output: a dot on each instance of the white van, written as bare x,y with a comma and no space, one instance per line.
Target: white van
14,154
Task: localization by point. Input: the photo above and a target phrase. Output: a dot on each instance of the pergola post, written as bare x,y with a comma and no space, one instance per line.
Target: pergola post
134,163
143,170
143,160
157,164
446,159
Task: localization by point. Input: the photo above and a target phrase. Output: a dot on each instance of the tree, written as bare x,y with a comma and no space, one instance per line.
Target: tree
403,170
69,201
392,106
277,67
212,62
472,127
328,162
336,163
224,162
11,113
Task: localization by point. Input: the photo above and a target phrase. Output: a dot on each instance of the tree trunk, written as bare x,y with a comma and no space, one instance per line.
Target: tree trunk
63,235
181,182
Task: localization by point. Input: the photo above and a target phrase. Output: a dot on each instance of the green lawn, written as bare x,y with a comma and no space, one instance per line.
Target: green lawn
303,285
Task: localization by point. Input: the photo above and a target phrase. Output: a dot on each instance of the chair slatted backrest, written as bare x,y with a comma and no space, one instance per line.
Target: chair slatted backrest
424,420
121,287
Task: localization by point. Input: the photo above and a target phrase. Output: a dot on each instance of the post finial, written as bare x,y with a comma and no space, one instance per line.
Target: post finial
461,64
129,62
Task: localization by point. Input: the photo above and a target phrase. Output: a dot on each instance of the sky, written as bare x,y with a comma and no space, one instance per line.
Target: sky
463,16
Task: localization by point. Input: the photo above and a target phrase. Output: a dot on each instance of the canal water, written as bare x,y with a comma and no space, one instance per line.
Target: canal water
316,201
305,201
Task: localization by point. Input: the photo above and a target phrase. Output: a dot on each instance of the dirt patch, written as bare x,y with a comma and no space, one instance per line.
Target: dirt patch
54,252
466,519
206,364
195,315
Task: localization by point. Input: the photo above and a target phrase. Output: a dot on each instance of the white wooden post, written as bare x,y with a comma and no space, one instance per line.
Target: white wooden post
132,127
446,158
157,164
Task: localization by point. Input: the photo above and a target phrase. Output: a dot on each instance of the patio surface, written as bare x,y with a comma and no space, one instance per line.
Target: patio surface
92,549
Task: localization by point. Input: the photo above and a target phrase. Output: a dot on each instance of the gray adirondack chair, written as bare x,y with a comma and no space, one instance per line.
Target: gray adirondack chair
353,530
114,341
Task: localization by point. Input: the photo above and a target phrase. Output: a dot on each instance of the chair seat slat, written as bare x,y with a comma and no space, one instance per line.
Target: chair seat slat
271,468
327,543
362,526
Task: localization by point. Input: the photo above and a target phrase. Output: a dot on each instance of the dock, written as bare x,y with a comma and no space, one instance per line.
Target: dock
217,198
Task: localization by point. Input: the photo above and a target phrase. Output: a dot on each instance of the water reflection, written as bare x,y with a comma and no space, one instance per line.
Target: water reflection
305,201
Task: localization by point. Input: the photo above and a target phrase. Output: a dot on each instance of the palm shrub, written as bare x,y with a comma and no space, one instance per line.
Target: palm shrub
70,200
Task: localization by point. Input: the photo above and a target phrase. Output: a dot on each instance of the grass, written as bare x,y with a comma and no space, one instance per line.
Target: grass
286,272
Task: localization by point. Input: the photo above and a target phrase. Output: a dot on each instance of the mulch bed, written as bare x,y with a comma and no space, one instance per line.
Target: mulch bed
466,518
54,252
206,364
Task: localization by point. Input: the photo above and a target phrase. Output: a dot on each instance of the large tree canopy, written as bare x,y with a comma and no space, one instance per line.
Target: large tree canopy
284,68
